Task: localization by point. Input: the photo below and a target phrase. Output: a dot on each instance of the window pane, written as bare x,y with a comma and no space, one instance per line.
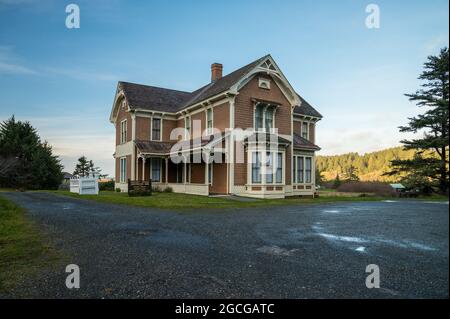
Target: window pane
279,173
269,168
300,169
259,117
269,118
156,129
308,170
156,169
256,167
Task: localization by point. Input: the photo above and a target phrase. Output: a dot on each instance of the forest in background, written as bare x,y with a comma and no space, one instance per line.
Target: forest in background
367,167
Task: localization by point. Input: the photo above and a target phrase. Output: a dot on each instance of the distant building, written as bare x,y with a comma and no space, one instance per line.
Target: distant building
398,188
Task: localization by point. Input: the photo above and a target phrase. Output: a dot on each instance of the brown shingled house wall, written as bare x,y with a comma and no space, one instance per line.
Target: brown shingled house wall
142,128
198,173
168,126
221,116
123,114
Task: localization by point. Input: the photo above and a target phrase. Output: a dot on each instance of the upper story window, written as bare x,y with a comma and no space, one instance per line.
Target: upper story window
305,130
123,132
156,129
264,117
187,126
209,121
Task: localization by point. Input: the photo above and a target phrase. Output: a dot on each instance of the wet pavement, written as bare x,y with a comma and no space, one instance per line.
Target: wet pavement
302,251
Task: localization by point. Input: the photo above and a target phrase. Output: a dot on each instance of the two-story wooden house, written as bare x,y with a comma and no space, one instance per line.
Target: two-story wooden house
161,133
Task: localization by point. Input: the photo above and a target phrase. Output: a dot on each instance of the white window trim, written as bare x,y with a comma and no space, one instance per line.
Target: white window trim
160,128
307,129
123,131
123,169
209,131
294,173
160,169
264,129
263,167
263,81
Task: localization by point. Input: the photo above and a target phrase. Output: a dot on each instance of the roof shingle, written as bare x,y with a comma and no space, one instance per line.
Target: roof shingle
167,100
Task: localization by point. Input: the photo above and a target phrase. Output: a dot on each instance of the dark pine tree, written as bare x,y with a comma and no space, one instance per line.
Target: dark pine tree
434,122
26,161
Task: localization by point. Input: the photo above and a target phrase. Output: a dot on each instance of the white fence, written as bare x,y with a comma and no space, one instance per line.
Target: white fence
86,185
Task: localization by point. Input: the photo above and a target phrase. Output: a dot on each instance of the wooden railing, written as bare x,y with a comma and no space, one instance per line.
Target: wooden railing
139,188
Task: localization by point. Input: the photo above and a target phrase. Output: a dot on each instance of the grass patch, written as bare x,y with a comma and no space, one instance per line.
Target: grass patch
177,201
23,248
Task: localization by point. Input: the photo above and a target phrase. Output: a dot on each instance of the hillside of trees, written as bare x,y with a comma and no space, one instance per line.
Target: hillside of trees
367,167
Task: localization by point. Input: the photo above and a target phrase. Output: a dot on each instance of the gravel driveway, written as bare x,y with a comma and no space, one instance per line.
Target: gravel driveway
307,251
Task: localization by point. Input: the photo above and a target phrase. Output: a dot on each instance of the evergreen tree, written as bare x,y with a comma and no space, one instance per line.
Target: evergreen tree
351,173
434,122
29,163
84,167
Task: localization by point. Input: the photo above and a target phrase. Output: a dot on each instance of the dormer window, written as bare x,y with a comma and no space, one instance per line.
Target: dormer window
264,117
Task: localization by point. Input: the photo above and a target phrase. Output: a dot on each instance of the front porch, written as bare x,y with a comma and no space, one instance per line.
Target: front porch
183,177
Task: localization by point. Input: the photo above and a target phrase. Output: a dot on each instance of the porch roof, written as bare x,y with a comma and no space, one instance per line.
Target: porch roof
303,143
264,136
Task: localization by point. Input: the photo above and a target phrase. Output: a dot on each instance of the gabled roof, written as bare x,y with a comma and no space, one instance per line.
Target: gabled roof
303,143
306,109
153,98
166,100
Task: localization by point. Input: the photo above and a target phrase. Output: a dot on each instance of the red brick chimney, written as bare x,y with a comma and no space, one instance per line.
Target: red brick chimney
216,71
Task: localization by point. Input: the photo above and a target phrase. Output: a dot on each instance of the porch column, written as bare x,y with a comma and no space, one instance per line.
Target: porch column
136,167
184,172
167,170
143,168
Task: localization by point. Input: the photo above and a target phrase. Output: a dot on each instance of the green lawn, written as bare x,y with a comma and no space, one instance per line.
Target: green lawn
23,248
187,202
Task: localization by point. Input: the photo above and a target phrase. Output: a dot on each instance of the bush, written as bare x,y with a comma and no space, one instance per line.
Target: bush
168,189
118,190
156,189
378,188
106,186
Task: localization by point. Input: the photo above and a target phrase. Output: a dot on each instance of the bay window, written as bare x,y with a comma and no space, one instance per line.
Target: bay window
308,169
279,171
256,167
303,167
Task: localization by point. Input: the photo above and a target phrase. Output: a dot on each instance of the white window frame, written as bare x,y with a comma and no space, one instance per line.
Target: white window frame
160,169
295,166
123,170
123,131
160,129
264,112
263,167
307,130
264,83
187,127
209,130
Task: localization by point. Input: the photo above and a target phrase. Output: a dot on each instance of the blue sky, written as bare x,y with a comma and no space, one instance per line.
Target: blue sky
63,80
